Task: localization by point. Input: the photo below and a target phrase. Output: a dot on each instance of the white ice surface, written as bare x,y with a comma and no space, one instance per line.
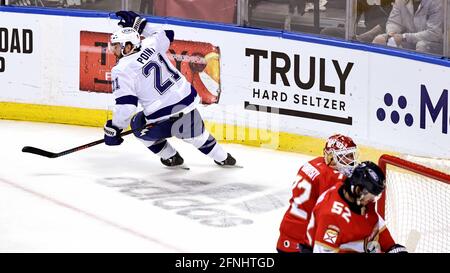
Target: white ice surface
121,199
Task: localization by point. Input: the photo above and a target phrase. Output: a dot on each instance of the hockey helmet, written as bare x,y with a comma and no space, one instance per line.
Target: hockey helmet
124,36
341,153
370,180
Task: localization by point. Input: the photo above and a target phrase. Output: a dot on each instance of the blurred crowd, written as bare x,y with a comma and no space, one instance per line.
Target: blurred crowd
409,24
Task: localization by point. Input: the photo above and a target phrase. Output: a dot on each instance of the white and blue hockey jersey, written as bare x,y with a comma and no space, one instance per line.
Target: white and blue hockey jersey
149,78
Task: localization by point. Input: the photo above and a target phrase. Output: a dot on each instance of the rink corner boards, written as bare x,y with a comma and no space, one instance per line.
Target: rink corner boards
226,133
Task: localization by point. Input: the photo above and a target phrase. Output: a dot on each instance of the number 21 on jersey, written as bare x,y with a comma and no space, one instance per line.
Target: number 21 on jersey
160,84
305,188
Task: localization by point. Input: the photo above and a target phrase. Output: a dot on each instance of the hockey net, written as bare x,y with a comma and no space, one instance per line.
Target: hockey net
416,204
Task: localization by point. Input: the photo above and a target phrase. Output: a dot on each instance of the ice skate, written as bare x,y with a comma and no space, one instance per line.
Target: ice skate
175,161
228,162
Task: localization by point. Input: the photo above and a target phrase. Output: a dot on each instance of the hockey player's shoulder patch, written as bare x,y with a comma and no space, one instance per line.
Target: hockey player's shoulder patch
331,234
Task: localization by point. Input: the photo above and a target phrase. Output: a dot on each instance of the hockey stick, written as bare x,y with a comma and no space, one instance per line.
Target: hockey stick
412,240
37,151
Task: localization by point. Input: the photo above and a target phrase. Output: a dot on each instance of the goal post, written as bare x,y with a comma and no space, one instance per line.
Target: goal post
416,204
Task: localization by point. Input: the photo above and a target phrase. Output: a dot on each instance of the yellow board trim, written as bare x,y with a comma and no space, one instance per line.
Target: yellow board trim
53,114
226,133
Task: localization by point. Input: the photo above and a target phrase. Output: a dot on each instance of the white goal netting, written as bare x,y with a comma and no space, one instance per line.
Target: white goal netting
417,208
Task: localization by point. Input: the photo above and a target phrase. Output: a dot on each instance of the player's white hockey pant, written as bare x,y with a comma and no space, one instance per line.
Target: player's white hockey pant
189,127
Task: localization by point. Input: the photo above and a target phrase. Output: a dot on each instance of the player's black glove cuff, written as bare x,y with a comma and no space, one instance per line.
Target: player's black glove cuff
112,134
131,19
397,249
305,248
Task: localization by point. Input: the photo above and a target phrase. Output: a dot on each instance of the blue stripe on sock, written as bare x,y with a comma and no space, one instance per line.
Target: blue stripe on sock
157,147
208,146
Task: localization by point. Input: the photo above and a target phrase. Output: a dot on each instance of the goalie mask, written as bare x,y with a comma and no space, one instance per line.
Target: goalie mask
122,37
341,153
366,183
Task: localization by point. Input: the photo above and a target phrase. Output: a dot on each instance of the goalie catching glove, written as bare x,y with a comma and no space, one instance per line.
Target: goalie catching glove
131,19
112,134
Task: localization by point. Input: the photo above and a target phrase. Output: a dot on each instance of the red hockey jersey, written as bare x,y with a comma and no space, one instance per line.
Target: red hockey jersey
334,227
313,178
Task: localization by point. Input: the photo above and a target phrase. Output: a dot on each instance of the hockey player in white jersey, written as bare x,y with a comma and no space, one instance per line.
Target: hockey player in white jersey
143,74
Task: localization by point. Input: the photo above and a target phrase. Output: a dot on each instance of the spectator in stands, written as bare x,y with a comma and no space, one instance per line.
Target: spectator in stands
375,14
415,24
300,7
375,18
310,5
146,7
205,10
297,6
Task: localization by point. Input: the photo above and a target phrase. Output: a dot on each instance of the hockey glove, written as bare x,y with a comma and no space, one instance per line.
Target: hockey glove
397,249
131,19
112,134
304,248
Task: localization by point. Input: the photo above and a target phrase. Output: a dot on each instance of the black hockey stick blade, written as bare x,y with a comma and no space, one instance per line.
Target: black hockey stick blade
231,166
33,150
37,151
